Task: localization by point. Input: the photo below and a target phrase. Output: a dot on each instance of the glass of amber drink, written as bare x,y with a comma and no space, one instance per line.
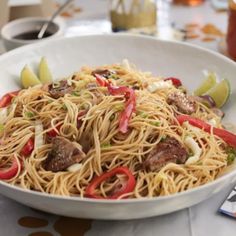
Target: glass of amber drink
133,14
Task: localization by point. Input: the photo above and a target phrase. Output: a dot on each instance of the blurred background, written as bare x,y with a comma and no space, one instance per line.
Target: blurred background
208,23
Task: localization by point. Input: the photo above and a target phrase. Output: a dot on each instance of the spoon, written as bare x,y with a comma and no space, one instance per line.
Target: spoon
57,12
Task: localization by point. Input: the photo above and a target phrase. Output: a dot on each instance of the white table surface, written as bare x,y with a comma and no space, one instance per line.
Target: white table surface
14,3
200,220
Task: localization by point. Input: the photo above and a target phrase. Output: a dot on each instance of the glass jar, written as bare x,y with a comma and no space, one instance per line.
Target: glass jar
133,14
231,31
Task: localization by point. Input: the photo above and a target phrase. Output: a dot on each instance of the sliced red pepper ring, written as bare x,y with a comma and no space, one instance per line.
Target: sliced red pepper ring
176,82
7,98
129,106
225,135
10,172
54,132
28,148
126,188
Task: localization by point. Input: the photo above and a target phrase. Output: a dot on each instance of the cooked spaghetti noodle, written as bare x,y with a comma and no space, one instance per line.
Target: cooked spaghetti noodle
89,116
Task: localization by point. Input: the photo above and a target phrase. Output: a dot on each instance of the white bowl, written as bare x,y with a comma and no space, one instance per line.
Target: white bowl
24,25
66,56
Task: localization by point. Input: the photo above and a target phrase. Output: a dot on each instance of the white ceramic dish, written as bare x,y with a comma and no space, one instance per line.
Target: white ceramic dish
160,57
25,25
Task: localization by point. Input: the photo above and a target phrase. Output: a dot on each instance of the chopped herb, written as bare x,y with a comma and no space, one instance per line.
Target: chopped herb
87,95
1,127
50,101
231,155
143,114
29,114
64,107
105,145
155,123
112,117
119,107
113,76
75,93
230,158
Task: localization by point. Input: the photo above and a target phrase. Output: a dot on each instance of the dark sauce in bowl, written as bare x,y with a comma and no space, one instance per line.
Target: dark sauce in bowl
32,35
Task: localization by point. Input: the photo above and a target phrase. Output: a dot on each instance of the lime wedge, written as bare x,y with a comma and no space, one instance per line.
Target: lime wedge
220,92
45,75
207,84
28,78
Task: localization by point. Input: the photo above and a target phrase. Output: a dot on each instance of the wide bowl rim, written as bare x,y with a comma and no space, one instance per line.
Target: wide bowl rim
119,201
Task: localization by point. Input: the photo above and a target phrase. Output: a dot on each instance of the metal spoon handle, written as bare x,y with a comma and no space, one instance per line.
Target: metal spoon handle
57,12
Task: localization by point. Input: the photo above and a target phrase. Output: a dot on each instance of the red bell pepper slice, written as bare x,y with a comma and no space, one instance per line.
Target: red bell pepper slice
101,80
176,82
228,137
54,132
10,172
130,100
6,99
129,106
28,148
127,188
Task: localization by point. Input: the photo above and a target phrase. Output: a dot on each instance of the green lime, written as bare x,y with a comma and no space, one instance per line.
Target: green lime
45,75
28,78
220,92
207,84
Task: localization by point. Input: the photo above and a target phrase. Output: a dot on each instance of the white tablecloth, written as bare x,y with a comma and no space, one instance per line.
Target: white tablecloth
200,220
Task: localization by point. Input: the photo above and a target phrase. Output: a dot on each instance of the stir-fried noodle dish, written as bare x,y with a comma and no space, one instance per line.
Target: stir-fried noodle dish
111,132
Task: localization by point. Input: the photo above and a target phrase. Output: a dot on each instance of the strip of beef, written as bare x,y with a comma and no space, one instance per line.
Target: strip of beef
105,73
183,103
167,151
63,154
59,89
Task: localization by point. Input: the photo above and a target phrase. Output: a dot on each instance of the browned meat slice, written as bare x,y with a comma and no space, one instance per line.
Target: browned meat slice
184,103
59,89
105,73
167,151
63,154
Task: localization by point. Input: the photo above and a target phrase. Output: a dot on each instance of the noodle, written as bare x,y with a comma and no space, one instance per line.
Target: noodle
107,148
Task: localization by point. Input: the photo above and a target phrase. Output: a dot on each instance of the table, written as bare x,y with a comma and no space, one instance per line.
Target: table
200,220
